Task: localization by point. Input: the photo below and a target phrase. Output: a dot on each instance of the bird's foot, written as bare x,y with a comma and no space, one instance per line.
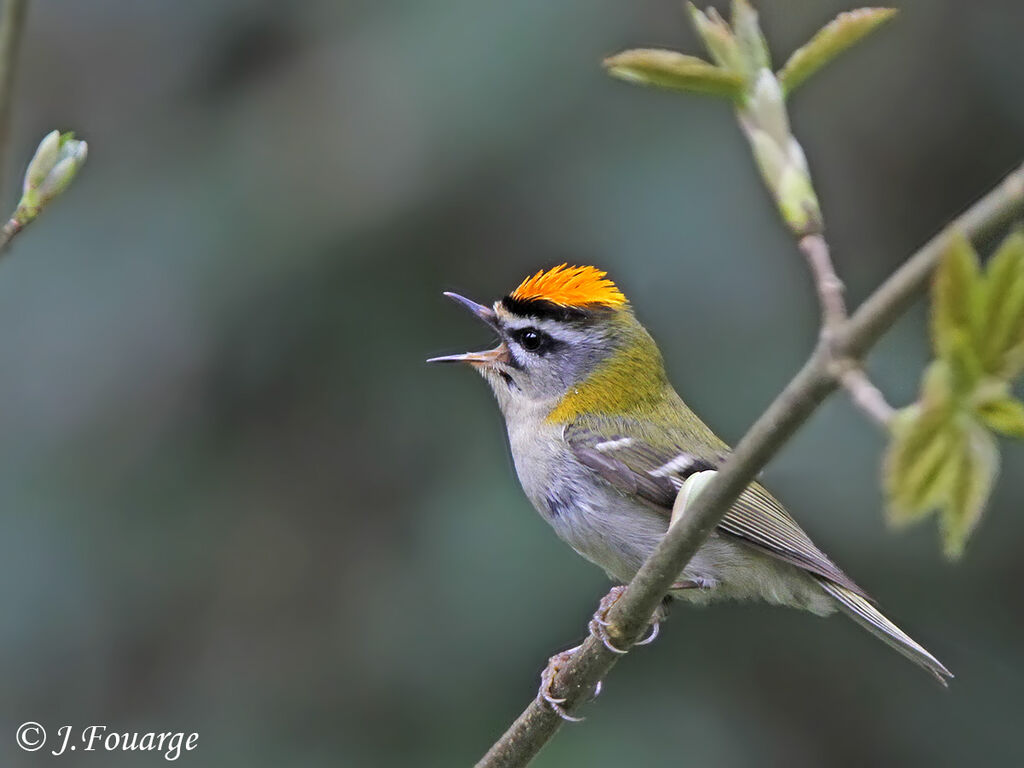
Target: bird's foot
599,628
599,623
547,678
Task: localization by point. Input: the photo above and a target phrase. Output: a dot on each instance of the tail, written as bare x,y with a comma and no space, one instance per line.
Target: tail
864,613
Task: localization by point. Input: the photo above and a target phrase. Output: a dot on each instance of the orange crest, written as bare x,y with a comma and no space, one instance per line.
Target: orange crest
571,287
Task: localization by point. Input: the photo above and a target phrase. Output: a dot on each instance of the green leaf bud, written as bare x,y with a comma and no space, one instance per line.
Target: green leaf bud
798,203
42,161
834,38
675,71
50,171
767,109
752,45
70,158
718,39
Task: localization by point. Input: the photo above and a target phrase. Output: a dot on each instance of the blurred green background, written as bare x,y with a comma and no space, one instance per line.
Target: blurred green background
237,501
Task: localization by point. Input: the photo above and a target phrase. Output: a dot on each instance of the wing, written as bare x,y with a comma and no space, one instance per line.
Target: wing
630,462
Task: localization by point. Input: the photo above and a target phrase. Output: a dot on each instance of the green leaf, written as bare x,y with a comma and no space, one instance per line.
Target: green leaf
1004,415
834,38
673,70
972,478
1002,321
943,453
916,465
1001,278
966,371
940,459
1013,362
956,296
753,47
937,385
718,39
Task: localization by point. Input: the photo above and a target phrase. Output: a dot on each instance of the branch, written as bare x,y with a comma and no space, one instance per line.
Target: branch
851,339
11,26
847,370
826,281
867,396
7,233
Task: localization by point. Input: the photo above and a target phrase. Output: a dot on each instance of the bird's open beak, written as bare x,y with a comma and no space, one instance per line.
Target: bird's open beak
497,355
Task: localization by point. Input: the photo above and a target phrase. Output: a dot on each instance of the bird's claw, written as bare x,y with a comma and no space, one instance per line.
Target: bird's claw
599,623
547,677
599,628
652,635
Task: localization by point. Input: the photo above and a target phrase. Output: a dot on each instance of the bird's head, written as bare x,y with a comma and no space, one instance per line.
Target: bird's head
568,344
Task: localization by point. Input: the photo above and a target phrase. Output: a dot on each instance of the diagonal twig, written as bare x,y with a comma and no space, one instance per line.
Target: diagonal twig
867,396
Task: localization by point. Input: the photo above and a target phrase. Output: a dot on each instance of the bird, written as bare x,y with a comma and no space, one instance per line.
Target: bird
602,443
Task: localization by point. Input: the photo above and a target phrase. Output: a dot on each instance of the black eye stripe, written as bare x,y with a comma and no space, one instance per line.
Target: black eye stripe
534,340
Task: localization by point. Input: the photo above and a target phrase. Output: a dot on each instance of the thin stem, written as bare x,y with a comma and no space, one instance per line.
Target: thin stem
7,233
12,23
867,396
826,281
631,614
848,371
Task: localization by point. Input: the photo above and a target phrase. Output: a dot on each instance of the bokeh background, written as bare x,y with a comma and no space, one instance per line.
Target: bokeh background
235,499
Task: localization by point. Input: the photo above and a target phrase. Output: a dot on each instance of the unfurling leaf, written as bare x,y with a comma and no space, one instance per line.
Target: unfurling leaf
971,483
937,385
676,71
753,46
718,39
943,453
1002,322
964,363
1004,415
834,38
923,443
956,297
940,459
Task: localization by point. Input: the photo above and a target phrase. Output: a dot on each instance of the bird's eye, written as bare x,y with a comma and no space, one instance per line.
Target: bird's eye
531,340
